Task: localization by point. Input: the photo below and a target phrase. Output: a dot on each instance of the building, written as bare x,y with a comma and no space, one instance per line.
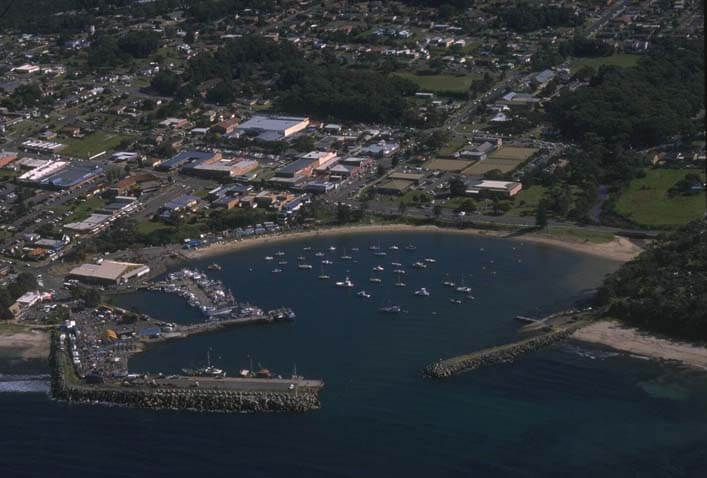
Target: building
91,225
186,158
273,128
126,184
503,188
120,206
108,272
36,146
380,149
45,170
71,177
221,168
298,168
174,123
480,152
6,158
226,126
26,69
27,300
172,209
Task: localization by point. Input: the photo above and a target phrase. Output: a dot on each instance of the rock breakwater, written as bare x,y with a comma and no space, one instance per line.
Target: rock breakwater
496,355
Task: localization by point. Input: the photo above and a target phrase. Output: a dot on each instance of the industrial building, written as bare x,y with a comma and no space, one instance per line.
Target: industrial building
91,225
44,170
503,188
71,176
221,168
186,158
272,128
108,272
37,146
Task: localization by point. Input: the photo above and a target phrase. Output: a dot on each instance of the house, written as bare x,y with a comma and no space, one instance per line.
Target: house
174,123
501,188
225,127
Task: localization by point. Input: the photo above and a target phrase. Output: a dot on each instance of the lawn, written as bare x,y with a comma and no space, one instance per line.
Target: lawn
438,83
451,165
526,202
646,200
506,159
148,227
84,209
452,146
623,60
92,144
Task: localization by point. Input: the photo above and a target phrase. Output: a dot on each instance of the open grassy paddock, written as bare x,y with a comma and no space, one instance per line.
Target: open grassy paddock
506,159
646,200
436,83
92,144
448,165
624,60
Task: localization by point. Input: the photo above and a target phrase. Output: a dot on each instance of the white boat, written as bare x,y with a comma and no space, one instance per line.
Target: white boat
327,261
391,309
301,258
304,266
393,247
269,258
430,260
455,301
422,292
419,265
410,247
378,268
399,271
375,280
354,249
324,276
345,283
400,283
277,270
464,289
279,253
379,253
308,248
332,248
346,257
396,264
373,247
282,263
319,254
363,294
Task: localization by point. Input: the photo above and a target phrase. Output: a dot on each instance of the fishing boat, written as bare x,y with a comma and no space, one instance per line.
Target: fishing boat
208,371
410,247
214,267
378,268
304,266
390,309
419,265
363,294
345,283
375,280
429,260
422,292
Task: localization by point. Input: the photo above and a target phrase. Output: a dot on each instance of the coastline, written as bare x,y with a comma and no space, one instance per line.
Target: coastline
619,249
628,339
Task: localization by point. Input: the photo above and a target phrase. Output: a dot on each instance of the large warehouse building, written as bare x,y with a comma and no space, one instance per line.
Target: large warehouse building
108,272
272,128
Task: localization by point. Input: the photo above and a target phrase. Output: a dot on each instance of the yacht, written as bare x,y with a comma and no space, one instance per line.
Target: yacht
327,261
400,283
455,301
422,292
378,268
375,280
268,258
323,275
393,248
390,309
396,264
279,253
429,260
373,247
379,253
319,254
363,294
332,248
399,271
282,263
304,266
464,289
214,267
354,249
346,257
277,270
301,258
420,265
345,283
308,248
410,247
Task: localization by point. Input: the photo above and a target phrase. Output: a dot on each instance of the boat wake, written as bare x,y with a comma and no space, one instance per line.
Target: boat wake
24,383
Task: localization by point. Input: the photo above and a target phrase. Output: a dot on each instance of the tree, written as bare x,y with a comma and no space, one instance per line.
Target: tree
541,215
165,83
437,210
457,187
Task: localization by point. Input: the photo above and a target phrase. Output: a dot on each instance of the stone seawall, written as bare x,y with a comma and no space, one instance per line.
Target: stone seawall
65,385
496,355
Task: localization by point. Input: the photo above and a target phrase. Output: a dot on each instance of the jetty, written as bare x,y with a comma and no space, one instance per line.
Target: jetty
506,353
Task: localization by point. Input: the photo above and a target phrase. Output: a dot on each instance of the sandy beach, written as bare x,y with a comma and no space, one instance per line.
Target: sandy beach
619,249
31,344
631,340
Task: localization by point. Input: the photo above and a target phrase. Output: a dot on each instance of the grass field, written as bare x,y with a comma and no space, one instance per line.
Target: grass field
92,144
454,144
526,202
646,200
148,227
84,209
451,165
434,83
620,59
506,159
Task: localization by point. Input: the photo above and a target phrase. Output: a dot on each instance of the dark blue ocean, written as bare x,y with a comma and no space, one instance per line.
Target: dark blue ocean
571,410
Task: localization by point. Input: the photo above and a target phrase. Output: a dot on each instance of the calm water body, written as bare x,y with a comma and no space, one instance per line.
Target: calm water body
571,410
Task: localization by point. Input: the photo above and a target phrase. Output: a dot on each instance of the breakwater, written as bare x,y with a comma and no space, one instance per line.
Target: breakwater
216,396
506,353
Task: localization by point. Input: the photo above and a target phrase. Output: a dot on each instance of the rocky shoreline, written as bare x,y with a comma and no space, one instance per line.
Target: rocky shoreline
496,355
66,386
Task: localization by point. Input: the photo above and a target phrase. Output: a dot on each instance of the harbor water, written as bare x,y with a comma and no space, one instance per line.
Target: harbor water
570,410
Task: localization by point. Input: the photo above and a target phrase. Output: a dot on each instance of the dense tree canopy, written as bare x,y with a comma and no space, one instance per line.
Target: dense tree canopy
663,290
523,17
641,106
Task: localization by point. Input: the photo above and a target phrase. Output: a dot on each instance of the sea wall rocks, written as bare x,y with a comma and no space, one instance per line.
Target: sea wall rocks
65,386
496,355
